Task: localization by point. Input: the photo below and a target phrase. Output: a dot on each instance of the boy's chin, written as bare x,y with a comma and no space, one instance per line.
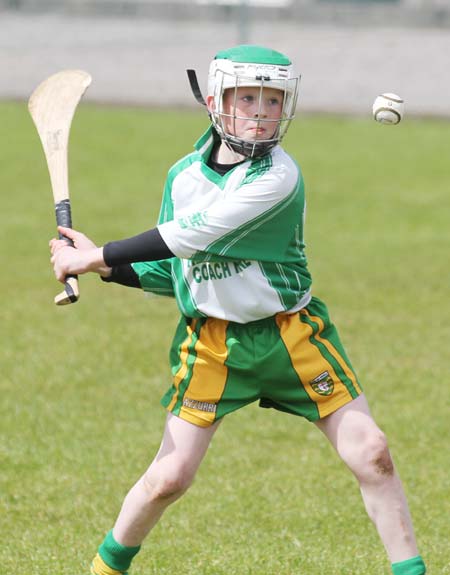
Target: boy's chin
256,137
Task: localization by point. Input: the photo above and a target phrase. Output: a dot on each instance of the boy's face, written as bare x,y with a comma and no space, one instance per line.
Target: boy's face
251,113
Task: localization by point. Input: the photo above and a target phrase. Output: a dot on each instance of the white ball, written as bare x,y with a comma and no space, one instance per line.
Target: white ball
388,108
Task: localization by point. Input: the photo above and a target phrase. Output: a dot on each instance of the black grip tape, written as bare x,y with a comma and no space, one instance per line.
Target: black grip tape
64,218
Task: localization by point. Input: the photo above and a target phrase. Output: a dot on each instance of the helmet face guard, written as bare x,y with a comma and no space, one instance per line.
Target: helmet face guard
260,77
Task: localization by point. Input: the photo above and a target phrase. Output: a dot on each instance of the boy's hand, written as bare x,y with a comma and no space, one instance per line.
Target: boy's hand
81,242
84,257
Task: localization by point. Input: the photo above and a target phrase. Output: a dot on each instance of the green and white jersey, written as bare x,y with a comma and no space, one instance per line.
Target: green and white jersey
238,239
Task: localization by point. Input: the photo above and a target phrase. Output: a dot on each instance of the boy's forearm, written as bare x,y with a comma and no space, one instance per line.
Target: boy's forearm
148,246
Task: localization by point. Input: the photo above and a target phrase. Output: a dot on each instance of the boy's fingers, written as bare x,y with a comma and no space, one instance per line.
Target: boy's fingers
56,245
68,232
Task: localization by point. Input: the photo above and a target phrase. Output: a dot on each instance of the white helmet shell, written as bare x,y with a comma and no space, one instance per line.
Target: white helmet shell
224,72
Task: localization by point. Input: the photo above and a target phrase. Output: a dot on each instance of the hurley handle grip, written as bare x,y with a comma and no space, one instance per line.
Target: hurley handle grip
71,291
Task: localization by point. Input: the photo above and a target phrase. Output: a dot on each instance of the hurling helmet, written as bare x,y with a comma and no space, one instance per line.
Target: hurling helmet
251,66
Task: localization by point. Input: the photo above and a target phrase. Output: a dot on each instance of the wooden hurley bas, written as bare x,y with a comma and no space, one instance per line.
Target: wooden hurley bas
52,106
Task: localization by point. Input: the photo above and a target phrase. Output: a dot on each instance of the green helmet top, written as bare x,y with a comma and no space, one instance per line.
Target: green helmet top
253,54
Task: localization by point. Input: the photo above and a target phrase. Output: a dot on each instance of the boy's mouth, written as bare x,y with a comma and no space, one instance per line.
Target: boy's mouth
258,131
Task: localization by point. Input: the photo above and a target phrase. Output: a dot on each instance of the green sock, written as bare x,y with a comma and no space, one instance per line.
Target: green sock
413,566
115,555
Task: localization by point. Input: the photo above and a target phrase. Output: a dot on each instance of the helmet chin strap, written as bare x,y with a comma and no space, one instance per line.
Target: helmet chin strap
249,149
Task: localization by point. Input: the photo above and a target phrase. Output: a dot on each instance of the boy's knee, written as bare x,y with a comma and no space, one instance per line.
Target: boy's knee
168,484
370,458
381,461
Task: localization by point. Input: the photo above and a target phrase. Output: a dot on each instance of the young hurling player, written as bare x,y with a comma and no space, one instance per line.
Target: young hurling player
229,247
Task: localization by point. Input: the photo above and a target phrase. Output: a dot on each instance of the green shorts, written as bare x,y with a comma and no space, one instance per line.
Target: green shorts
294,363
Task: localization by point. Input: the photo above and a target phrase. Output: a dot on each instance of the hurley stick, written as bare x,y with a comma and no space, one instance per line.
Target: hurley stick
52,106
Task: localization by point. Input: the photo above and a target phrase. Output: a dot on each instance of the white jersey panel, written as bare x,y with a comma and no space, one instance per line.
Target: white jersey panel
204,213
221,289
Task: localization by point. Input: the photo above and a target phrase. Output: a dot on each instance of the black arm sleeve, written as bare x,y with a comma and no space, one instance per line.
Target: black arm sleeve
124,275
145,247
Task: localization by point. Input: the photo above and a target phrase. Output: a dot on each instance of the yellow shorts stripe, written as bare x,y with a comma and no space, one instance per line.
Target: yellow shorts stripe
209,374
184,356
308,363
333,351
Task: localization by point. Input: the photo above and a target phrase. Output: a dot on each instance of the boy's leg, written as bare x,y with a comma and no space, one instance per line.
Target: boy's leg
363,447
171,473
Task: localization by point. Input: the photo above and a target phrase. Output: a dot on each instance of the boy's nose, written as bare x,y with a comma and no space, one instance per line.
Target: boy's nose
260,112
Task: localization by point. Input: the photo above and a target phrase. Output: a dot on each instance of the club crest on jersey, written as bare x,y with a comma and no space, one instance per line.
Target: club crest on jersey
323,384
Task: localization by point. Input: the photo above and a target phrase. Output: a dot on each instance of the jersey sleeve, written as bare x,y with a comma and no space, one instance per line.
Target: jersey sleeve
155,277
256,221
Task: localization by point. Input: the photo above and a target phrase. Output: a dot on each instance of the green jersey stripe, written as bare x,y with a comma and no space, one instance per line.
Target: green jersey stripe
266,273
240,232
180,300
183,292
214,177
257,169
285,281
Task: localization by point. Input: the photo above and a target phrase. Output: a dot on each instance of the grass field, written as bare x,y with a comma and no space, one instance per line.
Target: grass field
80,386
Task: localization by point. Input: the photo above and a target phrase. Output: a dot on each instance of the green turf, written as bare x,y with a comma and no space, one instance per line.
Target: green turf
80,386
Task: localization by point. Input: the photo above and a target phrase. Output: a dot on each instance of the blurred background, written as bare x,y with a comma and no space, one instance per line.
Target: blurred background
347,51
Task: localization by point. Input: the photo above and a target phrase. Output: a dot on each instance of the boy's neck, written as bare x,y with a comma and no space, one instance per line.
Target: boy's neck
224,155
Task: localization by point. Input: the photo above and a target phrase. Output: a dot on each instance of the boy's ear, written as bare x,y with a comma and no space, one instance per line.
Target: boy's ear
210,103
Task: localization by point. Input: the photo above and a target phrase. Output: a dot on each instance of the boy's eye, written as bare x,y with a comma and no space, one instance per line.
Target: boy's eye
249,99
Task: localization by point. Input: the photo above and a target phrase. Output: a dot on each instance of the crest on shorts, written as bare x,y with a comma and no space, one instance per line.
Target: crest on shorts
323,384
